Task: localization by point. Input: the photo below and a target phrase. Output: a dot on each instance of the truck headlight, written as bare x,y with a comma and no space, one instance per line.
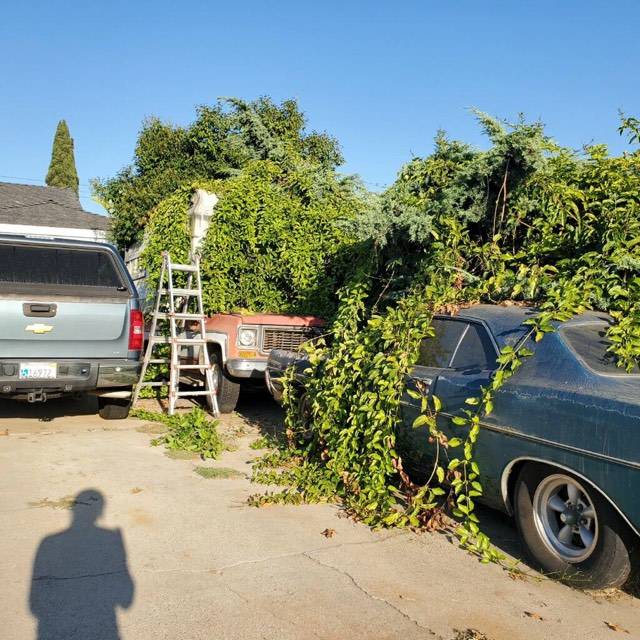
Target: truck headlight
247,337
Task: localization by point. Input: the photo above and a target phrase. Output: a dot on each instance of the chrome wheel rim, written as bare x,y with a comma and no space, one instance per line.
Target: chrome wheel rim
216,375
565,518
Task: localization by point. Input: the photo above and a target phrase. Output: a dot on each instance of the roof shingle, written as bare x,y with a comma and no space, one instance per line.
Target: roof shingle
46,207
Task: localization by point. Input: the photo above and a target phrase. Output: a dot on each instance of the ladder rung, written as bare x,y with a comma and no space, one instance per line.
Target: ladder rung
182,292
159,361
165,315
191,366
183,267
163,383
183,394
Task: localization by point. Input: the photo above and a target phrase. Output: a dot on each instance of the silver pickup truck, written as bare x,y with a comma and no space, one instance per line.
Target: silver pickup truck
70,322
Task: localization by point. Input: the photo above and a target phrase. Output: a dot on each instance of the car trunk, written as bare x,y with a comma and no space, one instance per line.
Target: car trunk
62,302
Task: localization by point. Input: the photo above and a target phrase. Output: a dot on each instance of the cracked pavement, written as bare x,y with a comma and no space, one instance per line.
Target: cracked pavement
169,554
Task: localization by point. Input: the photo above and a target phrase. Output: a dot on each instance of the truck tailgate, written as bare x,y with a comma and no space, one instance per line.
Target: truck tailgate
78,329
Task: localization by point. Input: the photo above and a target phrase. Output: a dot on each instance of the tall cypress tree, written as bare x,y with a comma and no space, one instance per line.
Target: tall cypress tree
62,168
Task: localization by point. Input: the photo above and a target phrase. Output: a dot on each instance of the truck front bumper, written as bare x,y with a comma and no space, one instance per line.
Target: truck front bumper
102,377
246,368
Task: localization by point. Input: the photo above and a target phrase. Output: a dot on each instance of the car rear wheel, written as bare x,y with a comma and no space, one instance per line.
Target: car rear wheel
228,390
569,530
114,408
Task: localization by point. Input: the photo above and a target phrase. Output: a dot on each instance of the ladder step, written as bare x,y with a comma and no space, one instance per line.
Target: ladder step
183,267
180,316
191,366
162,383
182,292
184,394
159,361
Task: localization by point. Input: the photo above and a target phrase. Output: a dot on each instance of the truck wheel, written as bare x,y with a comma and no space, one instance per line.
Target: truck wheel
569,530
114,408
228,390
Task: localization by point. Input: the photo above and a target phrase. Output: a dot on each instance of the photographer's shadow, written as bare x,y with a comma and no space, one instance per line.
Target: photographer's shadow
80,576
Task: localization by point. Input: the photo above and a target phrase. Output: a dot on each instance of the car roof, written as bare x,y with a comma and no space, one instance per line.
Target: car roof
506,322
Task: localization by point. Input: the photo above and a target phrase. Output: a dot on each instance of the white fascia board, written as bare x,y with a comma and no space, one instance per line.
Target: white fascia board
67,233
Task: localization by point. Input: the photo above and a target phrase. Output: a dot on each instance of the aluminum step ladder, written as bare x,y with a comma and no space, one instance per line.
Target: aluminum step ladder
179,306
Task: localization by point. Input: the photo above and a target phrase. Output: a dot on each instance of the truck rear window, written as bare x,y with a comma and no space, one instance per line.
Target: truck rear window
590,342
53,268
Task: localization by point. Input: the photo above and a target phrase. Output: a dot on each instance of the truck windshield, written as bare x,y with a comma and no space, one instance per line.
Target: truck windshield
62,269
590,342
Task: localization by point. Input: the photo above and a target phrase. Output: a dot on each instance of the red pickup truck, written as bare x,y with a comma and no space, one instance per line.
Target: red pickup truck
240,345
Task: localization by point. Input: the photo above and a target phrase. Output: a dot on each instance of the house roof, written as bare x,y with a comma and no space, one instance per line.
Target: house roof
46,207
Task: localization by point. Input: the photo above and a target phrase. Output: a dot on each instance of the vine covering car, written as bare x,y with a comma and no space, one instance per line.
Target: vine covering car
560,450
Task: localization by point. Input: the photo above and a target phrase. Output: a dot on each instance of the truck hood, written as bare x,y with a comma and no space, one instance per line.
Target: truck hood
274,319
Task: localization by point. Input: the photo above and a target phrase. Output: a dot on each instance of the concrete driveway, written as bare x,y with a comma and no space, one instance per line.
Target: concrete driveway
104,536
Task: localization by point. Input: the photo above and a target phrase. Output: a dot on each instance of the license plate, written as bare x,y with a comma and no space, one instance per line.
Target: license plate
38,370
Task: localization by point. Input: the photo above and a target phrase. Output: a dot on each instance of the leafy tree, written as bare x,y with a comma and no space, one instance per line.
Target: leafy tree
62,168
222,140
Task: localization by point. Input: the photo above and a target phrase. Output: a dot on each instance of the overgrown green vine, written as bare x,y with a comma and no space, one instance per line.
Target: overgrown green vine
526,222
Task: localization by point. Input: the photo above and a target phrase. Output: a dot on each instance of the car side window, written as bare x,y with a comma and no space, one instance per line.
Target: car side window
475,350
438,350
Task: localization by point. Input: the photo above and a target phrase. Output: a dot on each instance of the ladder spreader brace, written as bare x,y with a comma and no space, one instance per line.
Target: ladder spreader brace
167,296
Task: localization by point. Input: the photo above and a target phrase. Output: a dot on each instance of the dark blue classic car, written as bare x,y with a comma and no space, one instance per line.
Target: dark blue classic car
561,449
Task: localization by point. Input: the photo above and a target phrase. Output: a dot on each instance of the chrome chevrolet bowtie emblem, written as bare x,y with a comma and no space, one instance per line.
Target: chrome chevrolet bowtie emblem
39,328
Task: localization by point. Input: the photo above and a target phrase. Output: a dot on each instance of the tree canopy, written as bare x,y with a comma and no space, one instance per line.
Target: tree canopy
62,171
222,140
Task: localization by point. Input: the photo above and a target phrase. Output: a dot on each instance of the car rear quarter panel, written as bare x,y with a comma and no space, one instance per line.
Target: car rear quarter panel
555,409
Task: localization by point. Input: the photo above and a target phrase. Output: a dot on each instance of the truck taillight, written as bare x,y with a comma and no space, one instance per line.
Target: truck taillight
136,330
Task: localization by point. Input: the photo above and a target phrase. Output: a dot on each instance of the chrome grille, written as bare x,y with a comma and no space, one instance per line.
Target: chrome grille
289,339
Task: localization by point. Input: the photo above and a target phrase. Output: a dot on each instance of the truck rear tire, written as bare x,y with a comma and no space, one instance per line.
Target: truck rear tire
114,408
228,389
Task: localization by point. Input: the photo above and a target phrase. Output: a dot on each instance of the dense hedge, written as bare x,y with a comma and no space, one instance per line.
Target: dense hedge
275,243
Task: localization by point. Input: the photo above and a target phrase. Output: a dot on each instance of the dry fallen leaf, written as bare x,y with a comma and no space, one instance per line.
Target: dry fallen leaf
136,490
328,533
615,627
517,575
534,615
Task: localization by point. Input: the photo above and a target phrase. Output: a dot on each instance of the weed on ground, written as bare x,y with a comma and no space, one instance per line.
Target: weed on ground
218,473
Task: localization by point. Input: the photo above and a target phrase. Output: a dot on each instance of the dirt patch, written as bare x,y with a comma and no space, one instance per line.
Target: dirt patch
218,473
152,428
470,634
141,518
63,503
68,502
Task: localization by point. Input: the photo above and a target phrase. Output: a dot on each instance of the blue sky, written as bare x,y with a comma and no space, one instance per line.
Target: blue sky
382,77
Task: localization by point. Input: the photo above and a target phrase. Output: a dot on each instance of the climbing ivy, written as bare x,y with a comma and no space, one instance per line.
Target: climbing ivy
525,222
